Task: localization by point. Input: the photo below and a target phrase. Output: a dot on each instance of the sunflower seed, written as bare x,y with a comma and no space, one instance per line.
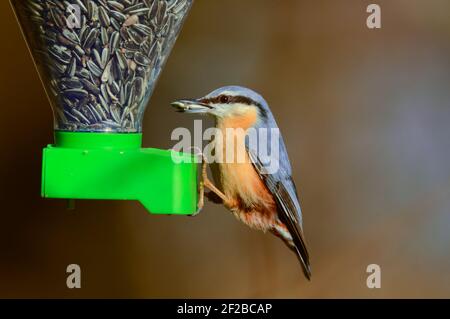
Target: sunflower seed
100,111
76,93
121,59
90,87
94,112
116,5
95,70
98,58
119,16
104,17
141,59
71,83
72,68
142,29
115,112
92,11
104,93
105,57
80,116
114,41
104,36
90,39
106,72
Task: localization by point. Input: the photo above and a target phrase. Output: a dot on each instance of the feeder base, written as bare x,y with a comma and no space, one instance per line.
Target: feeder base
112,166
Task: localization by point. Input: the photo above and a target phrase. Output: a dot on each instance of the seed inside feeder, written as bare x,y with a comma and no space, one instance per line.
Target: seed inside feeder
99,59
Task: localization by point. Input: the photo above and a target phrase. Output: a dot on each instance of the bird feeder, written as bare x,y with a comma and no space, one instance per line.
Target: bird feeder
99,61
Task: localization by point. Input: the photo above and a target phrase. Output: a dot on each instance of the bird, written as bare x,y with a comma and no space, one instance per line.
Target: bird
262,198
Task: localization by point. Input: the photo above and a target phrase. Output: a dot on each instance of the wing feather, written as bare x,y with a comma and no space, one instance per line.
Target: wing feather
284,191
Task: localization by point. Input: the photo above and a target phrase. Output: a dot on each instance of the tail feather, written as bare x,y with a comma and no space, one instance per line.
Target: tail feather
298,248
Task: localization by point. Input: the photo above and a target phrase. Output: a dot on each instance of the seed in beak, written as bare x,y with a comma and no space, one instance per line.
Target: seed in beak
191,106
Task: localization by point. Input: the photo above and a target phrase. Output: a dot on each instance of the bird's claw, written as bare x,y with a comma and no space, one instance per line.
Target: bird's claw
215,195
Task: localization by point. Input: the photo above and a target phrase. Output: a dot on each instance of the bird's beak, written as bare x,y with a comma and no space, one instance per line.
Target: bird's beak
191,106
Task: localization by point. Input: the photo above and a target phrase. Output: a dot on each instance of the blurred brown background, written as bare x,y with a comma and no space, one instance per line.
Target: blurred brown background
365,115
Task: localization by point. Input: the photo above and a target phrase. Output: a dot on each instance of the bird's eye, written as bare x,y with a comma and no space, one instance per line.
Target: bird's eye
224,99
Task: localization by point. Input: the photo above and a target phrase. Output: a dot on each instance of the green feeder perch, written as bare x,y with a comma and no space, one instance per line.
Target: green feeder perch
99,62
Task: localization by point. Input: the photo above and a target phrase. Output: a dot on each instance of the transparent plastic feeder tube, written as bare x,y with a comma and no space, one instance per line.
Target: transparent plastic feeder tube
99,60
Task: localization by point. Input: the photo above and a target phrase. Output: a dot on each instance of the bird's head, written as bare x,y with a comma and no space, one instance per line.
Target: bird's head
231,104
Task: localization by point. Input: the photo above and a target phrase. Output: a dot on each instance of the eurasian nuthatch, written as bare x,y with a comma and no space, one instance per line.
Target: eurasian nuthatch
262,199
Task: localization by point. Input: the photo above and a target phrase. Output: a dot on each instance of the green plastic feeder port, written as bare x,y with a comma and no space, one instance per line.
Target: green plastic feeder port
113,166
99,67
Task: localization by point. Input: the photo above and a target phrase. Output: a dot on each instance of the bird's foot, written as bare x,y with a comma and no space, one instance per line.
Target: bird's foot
201,197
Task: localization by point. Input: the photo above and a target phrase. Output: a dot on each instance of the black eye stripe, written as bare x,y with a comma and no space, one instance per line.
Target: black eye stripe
229,99
236,99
